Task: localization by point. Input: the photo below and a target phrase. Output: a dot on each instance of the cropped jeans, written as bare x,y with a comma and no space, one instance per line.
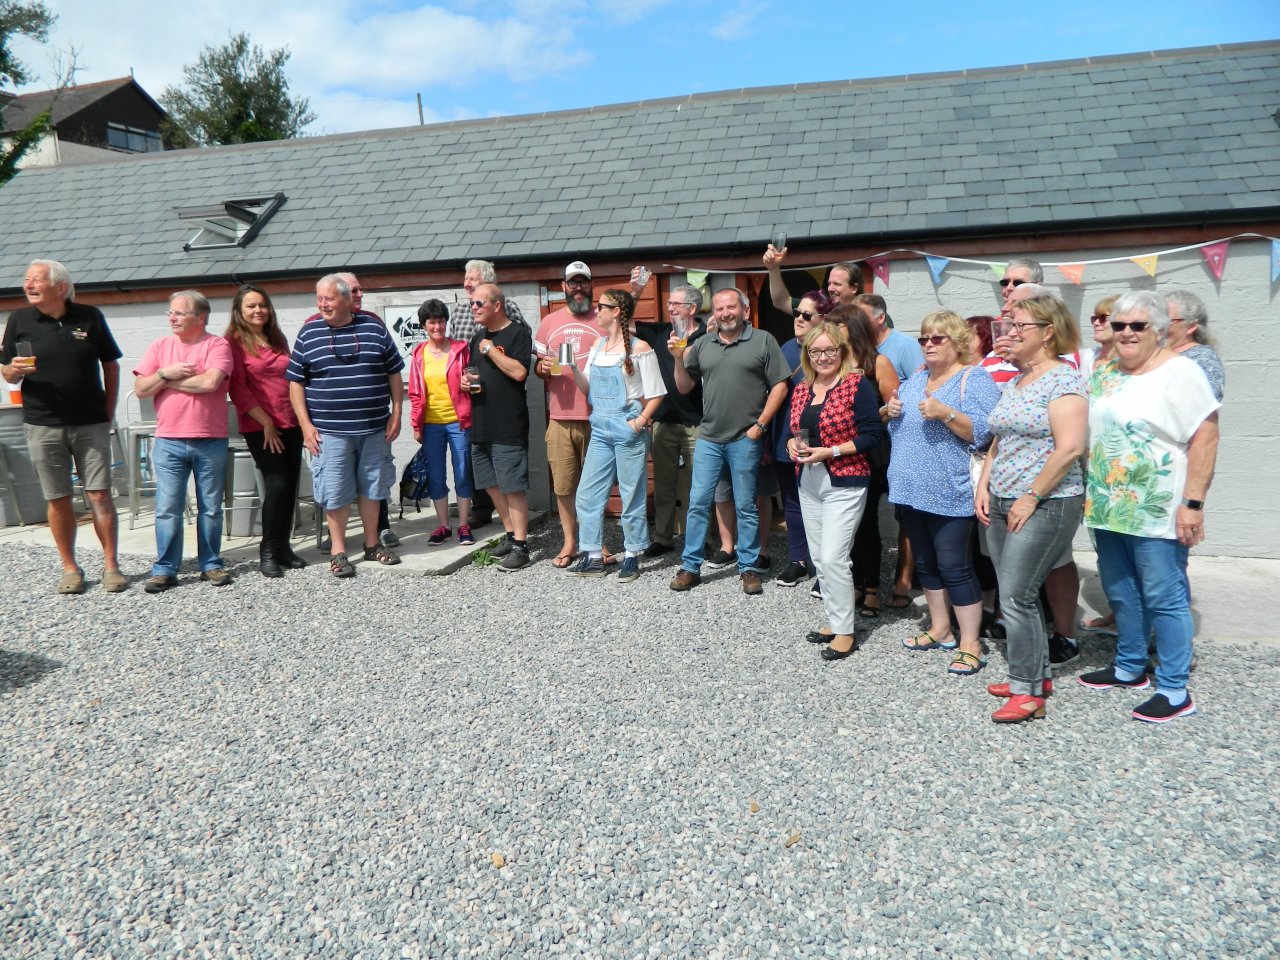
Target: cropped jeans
1023,560
175,461
742,457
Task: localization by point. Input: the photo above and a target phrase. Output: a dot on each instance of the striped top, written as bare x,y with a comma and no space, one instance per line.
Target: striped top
344,371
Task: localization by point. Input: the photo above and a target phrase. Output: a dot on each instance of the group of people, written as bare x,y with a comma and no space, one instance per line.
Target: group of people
993,437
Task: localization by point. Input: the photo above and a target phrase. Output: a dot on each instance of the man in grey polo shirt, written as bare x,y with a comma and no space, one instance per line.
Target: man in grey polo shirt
744,377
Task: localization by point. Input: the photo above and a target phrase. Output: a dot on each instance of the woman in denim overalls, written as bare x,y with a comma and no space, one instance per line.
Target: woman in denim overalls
622,380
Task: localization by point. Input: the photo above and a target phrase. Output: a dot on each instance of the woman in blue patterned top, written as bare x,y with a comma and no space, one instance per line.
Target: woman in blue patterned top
936,419
1031,492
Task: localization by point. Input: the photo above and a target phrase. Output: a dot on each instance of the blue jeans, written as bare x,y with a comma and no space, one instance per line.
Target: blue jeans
174,462
1145,580
742,458
435,437
942,547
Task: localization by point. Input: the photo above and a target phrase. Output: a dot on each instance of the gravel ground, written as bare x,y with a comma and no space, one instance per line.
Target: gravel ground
536,765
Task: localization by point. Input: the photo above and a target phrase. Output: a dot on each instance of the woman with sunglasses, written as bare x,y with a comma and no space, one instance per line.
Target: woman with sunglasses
1189,336
937,417
1153,435
1031,491
835,423
267,422
809,312
440,411
623,384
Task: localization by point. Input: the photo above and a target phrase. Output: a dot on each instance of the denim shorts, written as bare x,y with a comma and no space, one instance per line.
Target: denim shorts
351,466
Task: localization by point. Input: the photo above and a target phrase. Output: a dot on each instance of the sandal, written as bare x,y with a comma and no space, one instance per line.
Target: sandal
381,554
340,566
870,606
894,601
71,581
913,643
608,558
563,560
968,664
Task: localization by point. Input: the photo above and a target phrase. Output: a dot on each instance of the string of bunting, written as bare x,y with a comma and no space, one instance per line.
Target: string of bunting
1213,251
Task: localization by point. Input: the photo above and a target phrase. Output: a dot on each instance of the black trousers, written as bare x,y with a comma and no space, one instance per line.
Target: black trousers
280,483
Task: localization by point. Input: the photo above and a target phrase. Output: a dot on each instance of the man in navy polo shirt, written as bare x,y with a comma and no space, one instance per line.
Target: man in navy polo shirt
342,374
67,410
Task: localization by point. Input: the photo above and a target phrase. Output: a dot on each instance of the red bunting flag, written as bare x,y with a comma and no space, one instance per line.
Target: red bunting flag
880,267
1215,255
1072,271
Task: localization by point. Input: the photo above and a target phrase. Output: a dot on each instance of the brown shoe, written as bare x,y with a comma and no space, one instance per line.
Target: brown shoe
685,581
113,581
751,583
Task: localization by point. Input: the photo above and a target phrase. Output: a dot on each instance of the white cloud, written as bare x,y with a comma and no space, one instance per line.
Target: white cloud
737,23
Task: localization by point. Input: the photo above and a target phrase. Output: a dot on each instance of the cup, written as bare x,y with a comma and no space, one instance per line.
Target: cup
564,358
779,240
642,277
680,327
802,441
473,377
27,352
999,329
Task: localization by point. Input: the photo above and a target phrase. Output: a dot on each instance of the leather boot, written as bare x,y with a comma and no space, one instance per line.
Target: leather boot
287,558
268,564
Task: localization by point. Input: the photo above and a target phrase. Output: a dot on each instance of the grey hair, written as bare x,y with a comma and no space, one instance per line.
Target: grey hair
873,302
1037,271
743,300
485,268
350,277
689,293
57,274
1151,305
336,281
1033,288
1193,311
199,302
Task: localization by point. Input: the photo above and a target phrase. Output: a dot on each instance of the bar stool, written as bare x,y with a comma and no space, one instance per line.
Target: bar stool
137,435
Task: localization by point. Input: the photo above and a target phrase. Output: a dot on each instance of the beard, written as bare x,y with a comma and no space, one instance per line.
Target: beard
578,303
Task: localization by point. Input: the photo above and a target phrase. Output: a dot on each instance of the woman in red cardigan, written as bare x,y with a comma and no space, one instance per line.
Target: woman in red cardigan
835,422
440,411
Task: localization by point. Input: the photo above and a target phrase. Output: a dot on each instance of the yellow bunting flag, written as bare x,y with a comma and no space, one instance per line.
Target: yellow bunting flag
1072,271
997,269
1147,263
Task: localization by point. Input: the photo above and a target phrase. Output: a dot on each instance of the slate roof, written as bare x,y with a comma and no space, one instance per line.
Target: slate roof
25,107
1144,138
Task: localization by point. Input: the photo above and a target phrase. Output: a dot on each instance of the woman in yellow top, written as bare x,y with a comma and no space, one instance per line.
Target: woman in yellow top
440,410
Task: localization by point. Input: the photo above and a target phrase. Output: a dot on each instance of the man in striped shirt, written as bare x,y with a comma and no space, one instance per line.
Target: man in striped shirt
343,373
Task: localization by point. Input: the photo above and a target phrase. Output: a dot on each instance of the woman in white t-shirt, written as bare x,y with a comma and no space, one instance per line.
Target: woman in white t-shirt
1153,440
623,382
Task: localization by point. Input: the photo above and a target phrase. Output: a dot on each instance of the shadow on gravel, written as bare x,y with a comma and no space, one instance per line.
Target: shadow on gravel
22,669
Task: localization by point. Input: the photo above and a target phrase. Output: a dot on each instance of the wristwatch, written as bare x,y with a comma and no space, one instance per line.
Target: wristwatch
484,351
1193,504
951,417
763,428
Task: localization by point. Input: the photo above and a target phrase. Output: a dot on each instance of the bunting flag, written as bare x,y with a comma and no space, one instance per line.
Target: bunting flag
880,267
936,266
997,269
1147,262
1072,271
1275,260
1215,255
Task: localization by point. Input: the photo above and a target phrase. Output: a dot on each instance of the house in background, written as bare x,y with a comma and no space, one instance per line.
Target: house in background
92,122
1120,173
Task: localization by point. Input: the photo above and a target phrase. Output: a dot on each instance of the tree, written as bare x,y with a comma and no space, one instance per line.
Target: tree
26,19
234,94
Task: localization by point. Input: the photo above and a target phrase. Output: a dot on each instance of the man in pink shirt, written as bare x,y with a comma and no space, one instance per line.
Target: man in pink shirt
569,431
187,375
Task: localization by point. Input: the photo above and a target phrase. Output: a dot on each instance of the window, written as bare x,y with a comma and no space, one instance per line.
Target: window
229,223
133,140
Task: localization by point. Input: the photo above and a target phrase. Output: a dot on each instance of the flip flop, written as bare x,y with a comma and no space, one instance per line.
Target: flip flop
867,610
893,603
969,664
608,558
913,643
563,560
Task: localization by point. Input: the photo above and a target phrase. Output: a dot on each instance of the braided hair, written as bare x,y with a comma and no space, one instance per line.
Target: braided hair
626,310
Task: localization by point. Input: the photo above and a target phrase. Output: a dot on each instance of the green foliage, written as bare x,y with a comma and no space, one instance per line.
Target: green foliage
26,19
235,93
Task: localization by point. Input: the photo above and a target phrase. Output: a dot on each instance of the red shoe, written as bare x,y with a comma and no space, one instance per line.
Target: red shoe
1020,707
1002,690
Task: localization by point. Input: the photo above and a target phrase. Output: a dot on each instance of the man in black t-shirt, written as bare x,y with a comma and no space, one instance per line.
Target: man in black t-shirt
502,352
68,363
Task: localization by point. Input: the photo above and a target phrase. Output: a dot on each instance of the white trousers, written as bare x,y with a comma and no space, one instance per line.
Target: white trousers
831,516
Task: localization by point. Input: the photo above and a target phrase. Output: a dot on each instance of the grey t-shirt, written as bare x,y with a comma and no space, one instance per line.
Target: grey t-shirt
736,379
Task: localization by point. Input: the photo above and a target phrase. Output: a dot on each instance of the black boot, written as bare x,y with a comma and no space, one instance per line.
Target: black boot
287,558
268,564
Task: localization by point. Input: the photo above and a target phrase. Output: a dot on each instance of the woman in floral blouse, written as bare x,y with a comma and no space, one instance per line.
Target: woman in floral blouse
1153,436
1031,490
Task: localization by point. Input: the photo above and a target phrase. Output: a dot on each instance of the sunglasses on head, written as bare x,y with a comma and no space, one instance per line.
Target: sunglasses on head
1137,326
797,314
936,339
1008,280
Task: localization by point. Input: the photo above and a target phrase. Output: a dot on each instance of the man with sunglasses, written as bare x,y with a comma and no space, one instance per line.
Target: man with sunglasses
186,373
568,431
343,374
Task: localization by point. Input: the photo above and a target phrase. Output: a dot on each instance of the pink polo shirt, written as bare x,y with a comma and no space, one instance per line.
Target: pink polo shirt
185,416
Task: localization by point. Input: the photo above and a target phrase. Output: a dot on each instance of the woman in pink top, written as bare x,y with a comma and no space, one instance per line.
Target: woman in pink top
440,411
261,395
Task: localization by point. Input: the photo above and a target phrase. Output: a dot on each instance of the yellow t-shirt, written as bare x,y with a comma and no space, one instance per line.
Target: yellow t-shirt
439,403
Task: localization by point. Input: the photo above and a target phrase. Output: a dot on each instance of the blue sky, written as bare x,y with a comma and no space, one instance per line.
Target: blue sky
361,63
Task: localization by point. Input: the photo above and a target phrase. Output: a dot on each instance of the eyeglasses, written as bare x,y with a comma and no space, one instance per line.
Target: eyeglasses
181,314
577,283
481,304
602,305
1009,280
828,352
344,357
1021,325
672,304
1137,326
1099,318
797,314
935,339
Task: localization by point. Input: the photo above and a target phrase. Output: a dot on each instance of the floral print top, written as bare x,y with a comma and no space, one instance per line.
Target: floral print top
1021,421
1139,428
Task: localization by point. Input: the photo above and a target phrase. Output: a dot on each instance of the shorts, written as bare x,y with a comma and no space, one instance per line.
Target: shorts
54,449
500,465
766,484
566,450
352,465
